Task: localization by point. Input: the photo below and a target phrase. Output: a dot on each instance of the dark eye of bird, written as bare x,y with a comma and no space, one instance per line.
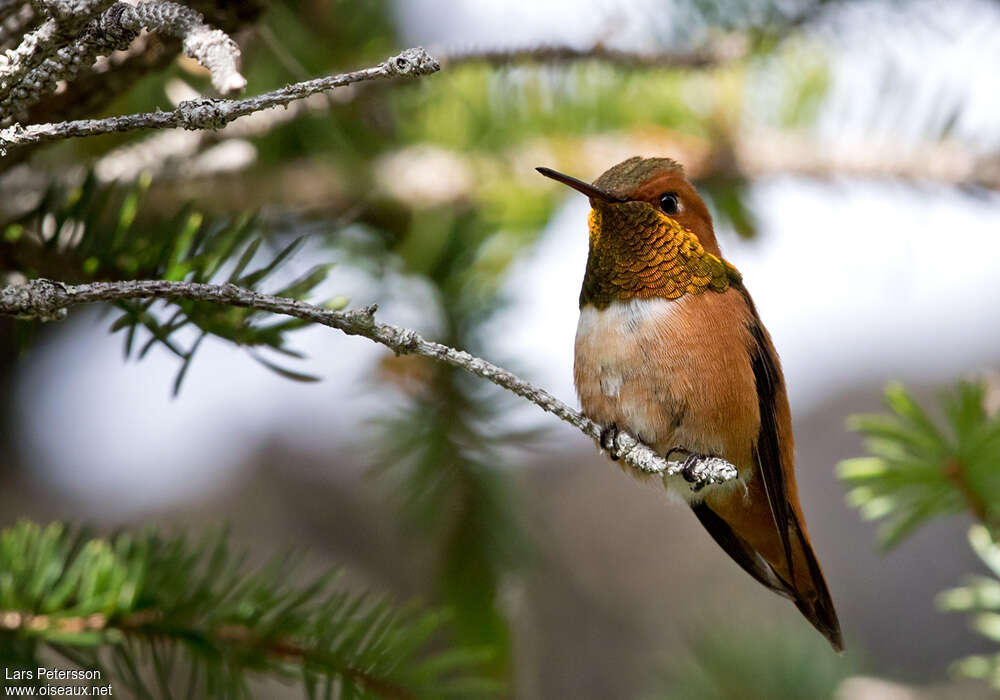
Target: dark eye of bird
669,202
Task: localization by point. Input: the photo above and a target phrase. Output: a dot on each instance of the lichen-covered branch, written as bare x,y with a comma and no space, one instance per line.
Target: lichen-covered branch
48,300
66,19
99,84
76,35
173,150
215,114
212,48
205,114
101,36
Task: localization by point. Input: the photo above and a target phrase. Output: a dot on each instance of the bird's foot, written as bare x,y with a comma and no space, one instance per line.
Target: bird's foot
608,440
691,473
700,469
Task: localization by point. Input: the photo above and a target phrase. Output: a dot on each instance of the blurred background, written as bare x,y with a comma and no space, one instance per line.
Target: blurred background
850,154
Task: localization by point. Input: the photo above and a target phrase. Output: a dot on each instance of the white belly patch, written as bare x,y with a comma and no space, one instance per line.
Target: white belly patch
612,360
622,317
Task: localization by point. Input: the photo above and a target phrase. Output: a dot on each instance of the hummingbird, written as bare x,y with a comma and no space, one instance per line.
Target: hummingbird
670,348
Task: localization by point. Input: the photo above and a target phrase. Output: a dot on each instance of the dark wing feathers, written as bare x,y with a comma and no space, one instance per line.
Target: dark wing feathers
767,453
816,604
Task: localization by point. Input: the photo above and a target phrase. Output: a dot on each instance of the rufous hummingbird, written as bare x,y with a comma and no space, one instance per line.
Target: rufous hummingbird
669,348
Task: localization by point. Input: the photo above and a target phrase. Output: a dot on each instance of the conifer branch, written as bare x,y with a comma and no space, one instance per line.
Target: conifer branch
114,604
215,114
78,31
67,43
955,472
66,20
211,47
48,300
919,468
145,625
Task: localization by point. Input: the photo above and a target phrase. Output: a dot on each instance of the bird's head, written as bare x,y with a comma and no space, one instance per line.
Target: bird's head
650,233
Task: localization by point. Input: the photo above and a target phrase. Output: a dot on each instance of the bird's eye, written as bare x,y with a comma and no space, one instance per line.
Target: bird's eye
670,203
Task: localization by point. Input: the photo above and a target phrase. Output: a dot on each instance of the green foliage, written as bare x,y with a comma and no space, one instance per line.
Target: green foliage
320,35
94,233
728,199
919,469
442,450
147,609
980,598
450,472
477,108
808,78
726,659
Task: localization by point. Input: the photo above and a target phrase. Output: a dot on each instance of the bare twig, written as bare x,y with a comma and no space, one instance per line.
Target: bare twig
49,300
717,53
171,150
730,49
215,114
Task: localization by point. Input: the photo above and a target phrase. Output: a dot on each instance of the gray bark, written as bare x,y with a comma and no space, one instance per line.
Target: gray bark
216,113
78,31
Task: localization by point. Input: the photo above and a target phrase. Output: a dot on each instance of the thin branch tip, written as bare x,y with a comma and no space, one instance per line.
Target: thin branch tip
208,113
413,62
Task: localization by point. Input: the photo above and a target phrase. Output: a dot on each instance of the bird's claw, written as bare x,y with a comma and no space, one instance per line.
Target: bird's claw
693,468
608,440
689,470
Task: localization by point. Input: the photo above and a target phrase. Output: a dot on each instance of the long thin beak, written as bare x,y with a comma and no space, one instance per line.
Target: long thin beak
578,185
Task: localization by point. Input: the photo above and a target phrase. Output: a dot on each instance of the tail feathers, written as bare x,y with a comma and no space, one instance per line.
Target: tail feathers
802,583
813,600
741,552
823,617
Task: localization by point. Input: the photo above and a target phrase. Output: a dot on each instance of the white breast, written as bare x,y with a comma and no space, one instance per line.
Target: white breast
604,331
619,316
607,340
612,359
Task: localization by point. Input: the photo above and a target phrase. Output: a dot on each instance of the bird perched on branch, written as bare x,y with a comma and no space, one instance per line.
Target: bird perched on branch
670,348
